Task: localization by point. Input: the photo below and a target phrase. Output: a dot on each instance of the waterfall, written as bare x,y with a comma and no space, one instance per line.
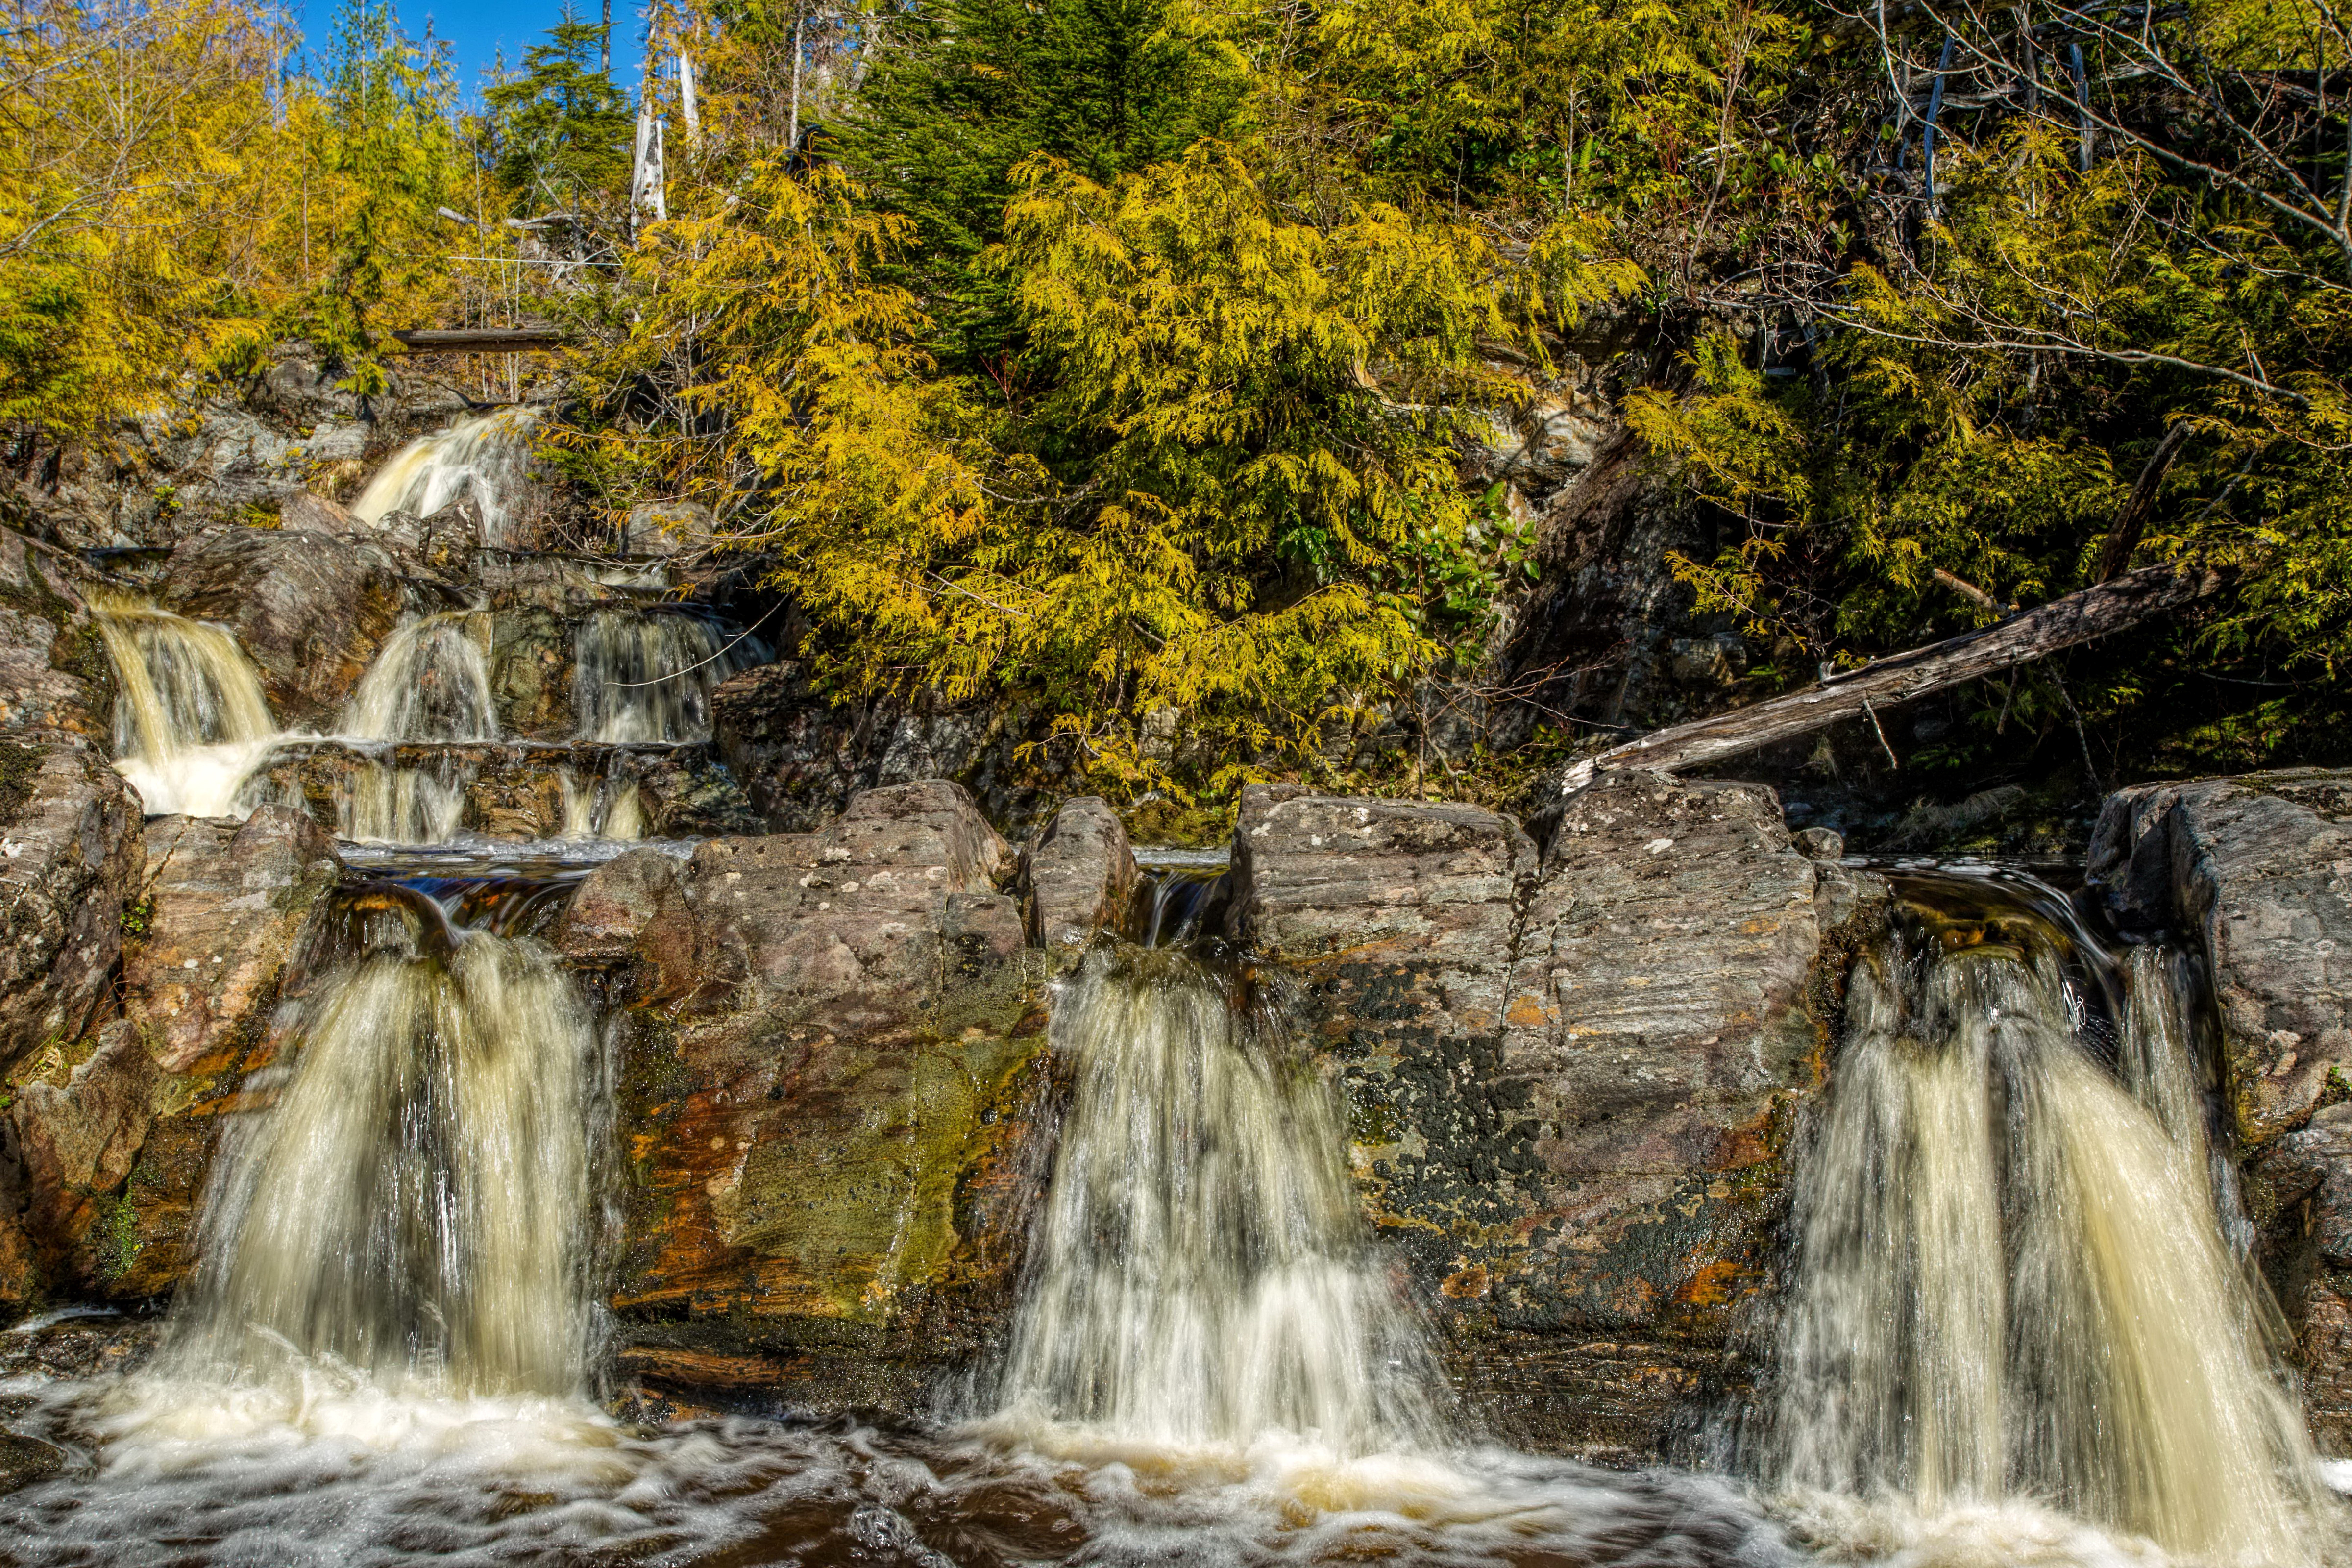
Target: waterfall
389,805
1203,1273
605,807
413,1205
640,678
484,459
2011,1278
429,683
191,723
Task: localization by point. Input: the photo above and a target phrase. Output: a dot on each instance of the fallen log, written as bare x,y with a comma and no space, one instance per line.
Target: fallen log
2111,606
482,340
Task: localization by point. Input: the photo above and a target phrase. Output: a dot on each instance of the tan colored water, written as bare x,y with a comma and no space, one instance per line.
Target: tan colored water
484,458
191,725
2012,1279
645,678
430,681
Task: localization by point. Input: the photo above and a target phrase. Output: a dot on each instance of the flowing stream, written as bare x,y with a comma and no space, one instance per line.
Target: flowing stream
2014,1277
191,723
484,459
645,679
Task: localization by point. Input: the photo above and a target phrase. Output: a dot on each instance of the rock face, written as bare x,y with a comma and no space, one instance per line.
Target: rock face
309,608
2257,872
78,1144
801,758
1567,1079
70,859
222,907
1080,873
834,1136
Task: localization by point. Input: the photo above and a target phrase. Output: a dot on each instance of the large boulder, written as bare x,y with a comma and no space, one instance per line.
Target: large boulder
54,672
1566,1080
76,1143
71,860
2256,873
309,608
834,1134
222,907
1081,877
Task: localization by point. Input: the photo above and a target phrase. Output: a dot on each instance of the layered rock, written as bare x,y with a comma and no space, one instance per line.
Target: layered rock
76,1143
1080,874
1567,1079
2256,871
70,861
833,1130
309,608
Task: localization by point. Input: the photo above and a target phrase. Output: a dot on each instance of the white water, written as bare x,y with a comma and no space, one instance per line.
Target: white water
484,458
645,678
1203,1274
606,807
390,804
191,725
429,683
414,1204
2012,1281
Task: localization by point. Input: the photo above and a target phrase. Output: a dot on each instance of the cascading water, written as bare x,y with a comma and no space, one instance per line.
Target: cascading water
645,679
415,1205
2010,1276
1203,1274
191,723
386,804
601,808
429,683
484,459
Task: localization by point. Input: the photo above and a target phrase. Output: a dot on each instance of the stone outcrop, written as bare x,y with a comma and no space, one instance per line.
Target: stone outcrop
800,757
69,860
309,608
630,921
1567,1079
2256,872
77,1144
1080,873
221,912
833,1137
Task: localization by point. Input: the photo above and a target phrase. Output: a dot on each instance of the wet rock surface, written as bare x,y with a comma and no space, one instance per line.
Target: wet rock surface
1080,874
1565,1079
70,858
309,608
77,1142
834,1139
222,909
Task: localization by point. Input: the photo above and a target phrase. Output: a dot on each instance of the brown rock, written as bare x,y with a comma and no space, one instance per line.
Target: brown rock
835,1147
309,608
632,914
1563,1087
54,673
226,907
70,861
78,1144
1081,876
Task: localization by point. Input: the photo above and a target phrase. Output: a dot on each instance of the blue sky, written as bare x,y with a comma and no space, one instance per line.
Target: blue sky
479,29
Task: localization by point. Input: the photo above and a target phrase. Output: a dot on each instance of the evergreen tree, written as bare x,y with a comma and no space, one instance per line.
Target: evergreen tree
962,93
561,130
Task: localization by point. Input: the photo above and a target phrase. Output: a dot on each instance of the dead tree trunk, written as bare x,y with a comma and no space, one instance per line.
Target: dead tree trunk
2112,607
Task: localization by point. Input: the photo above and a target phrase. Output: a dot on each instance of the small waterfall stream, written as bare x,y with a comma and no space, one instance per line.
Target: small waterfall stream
430,681
1203,1273
484,459
2012,1277
641,679
191,723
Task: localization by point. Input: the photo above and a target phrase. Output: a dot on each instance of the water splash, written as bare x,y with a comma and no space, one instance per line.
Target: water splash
601,808
415,1205
484,458
429,683
645,679
1205,1275
191,725
2011,1281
